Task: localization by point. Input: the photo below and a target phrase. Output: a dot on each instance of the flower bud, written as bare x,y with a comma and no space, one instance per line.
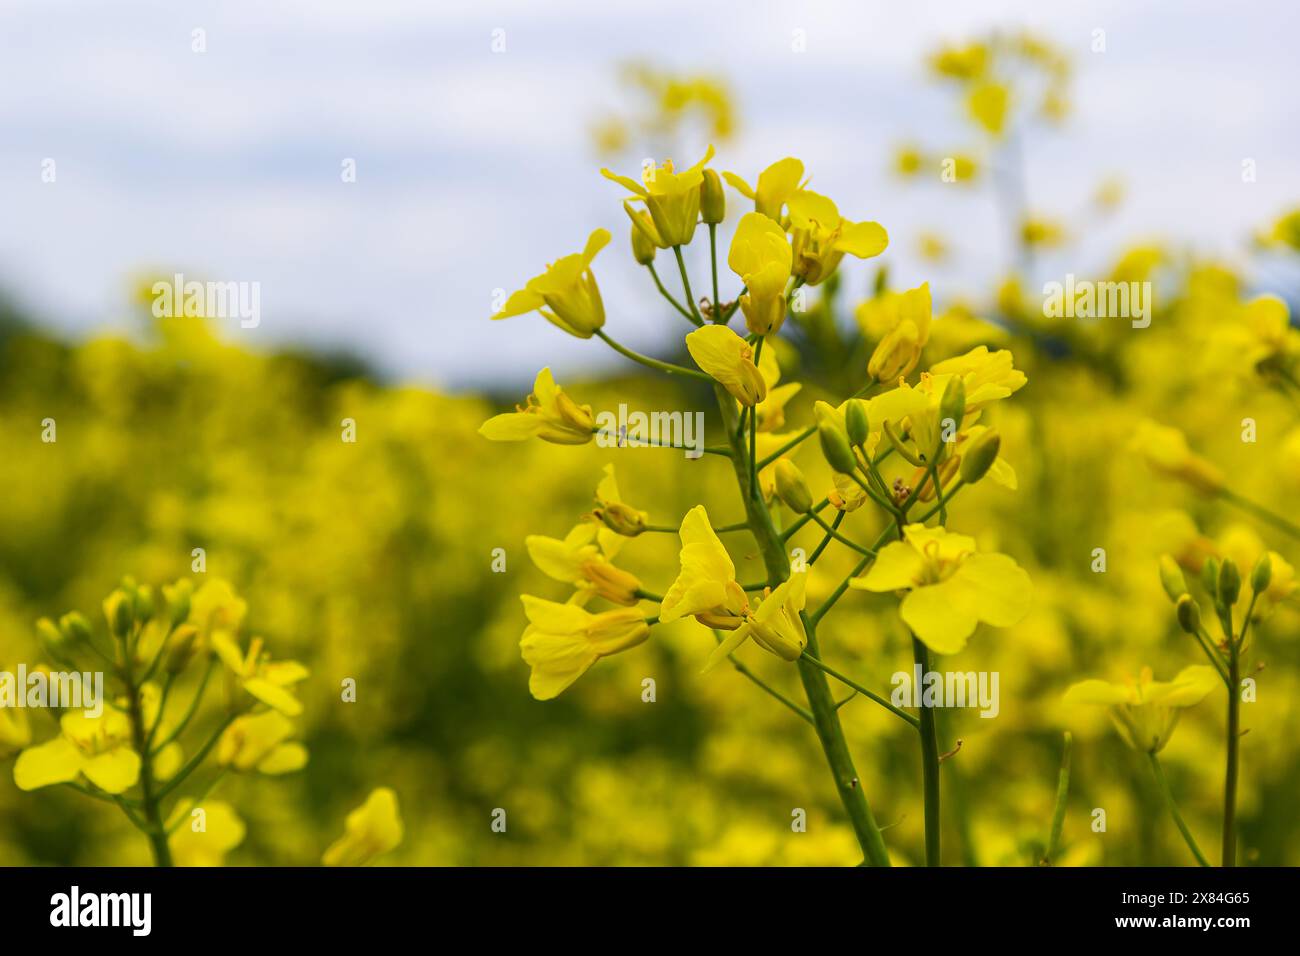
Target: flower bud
117,611
835,442
855,420
75,627
1229,582
53,641
1210,575
620,519
1262,574
713,201
643,250
178,601
1171,577
142,603
791,487
1189,614
979,456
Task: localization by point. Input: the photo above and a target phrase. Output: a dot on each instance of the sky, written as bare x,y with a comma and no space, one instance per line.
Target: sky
474,168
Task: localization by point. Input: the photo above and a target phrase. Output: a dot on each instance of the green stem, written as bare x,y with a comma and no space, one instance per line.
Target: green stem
849,682
648,362
197,759
635,442
669,296
1168,795
686,285
1058,811
826,719
832,532
194,706
826,540
764,686
1234,746
149,800
929,760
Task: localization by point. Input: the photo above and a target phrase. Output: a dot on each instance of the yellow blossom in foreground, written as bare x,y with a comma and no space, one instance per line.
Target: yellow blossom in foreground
775,186
372,829
706,588
97,748
950,587
204,840
1146,711
988,376
266,680
671,198
729,359
821,237
578,560
260,742
563,640
775,626
566,293
549,415
762,258
1166,452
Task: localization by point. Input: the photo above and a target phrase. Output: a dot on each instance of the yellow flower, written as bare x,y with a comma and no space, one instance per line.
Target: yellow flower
267,681
988,376
1145,711
577,559
960,62
372,829
729,359
987,104
1167,453
951,587
562,641
613,512
672,200
549,415
706,587
765,444
903,322
221,831
775,186
775,626
762,258
1039,232
260,742
97,748
566,293
821,237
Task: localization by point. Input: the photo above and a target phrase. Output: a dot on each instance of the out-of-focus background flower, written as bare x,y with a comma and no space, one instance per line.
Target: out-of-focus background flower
1137,145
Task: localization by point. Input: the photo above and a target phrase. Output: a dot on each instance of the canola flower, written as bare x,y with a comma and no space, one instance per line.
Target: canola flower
794,237
139,749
